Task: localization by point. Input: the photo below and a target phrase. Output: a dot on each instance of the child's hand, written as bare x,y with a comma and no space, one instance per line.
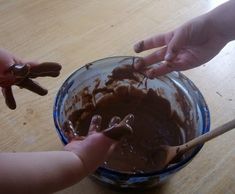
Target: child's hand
93,149
48,172
14,71
186,47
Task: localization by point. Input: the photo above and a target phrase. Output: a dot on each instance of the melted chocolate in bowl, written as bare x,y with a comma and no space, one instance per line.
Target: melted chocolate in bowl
156,122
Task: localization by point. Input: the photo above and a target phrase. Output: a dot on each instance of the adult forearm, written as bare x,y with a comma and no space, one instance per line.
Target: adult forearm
223,19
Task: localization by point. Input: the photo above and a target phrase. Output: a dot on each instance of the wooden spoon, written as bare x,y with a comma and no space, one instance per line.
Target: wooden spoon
170,152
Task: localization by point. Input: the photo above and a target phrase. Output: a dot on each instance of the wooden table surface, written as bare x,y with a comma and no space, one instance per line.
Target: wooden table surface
75,32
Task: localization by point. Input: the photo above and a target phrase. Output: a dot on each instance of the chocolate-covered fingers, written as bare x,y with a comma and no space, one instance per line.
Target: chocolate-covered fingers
95,124
32,70
19,71
159,69
145,62
128,120
117,128
9,98
32,86
118,131
19,74
115,120
50,69
155,64
26,71
69,131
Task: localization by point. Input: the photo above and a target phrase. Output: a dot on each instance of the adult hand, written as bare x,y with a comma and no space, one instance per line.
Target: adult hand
186,47
14,71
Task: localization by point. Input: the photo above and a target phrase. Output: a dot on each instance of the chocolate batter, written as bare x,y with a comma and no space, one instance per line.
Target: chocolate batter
154,124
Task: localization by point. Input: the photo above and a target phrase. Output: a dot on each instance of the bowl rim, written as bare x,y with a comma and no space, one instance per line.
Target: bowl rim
203,107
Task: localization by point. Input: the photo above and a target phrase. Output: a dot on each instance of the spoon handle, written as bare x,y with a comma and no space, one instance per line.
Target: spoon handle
208,136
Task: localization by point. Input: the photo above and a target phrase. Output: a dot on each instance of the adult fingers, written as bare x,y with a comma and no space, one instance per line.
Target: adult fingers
158,70
51,69
9,98
155,57
34,70
149,43
164,68
176,43
7,80
32,86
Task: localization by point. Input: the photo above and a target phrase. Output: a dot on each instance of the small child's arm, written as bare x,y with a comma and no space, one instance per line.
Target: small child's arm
47,172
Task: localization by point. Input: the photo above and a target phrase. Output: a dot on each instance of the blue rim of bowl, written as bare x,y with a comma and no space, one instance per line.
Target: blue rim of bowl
205,118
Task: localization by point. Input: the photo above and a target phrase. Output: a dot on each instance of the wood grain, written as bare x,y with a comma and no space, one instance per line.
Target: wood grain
75,32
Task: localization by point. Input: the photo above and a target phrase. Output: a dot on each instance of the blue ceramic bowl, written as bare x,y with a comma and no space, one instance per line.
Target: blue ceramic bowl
194,109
